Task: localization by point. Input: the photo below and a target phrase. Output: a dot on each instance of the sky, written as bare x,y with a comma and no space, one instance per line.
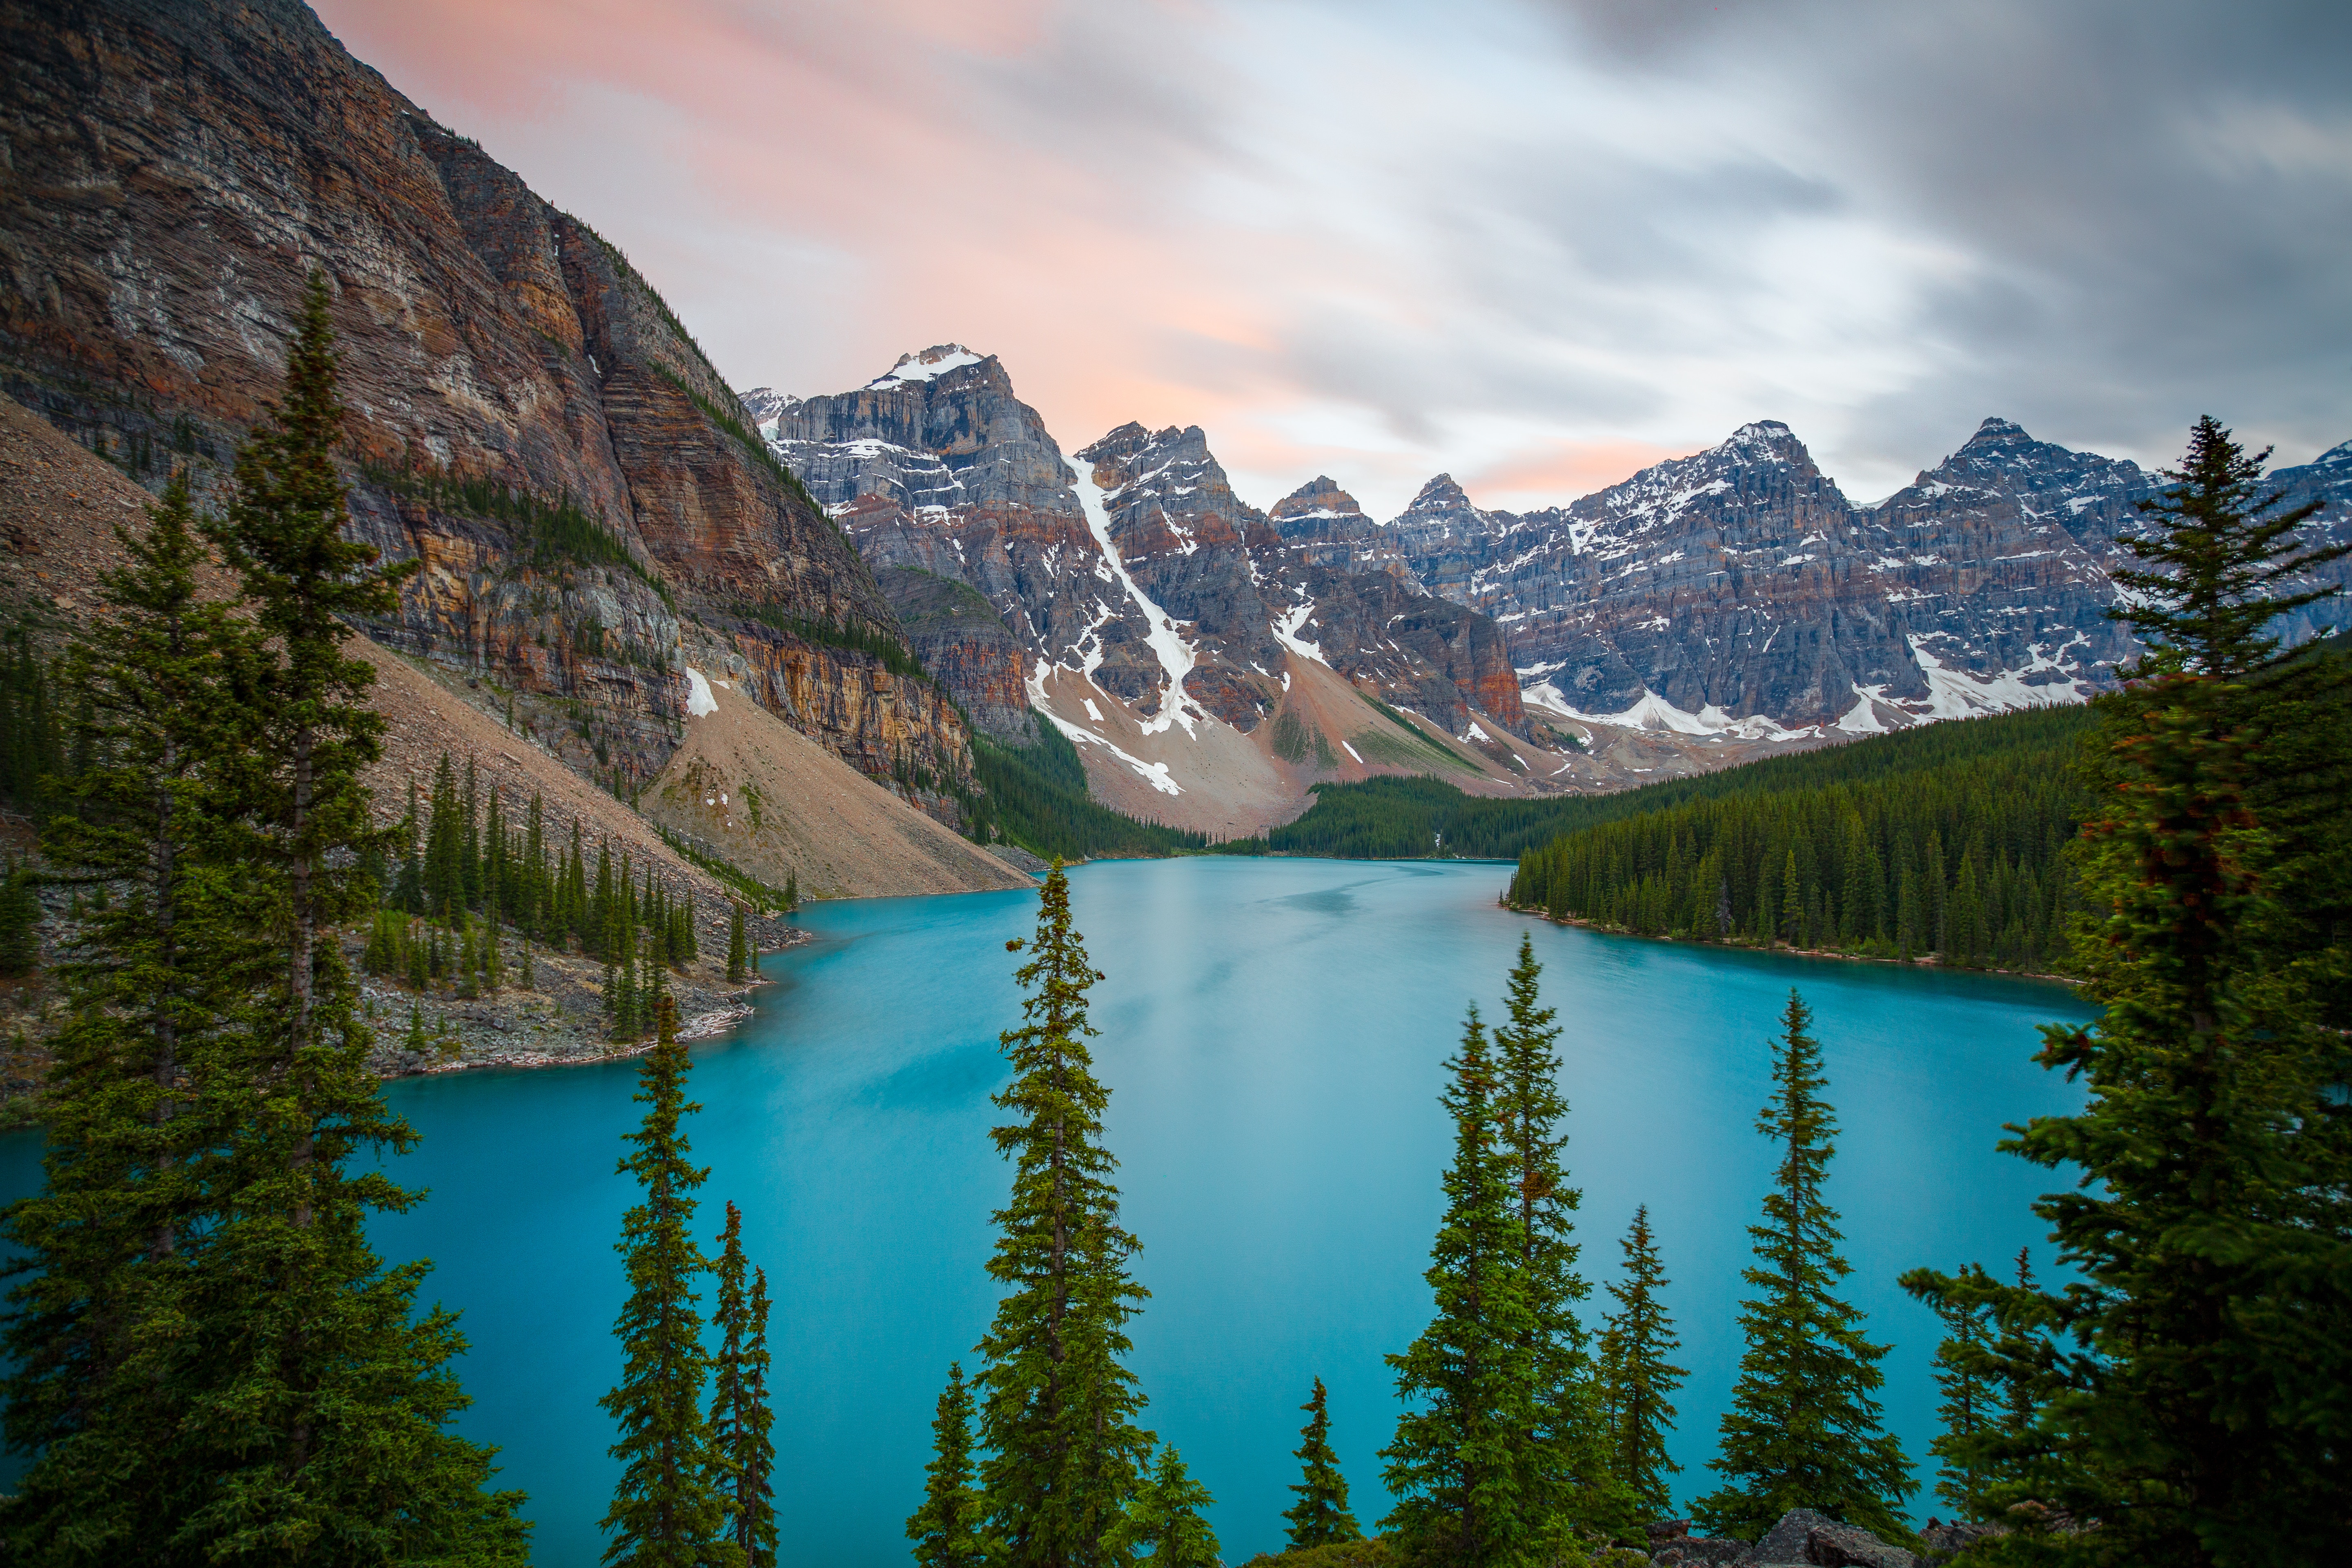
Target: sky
1537,244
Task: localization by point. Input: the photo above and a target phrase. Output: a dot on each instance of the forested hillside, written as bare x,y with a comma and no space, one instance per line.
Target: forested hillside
1408,818
1954,847
1037,799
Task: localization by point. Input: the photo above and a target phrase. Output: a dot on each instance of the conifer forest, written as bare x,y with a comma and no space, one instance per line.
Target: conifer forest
208,1361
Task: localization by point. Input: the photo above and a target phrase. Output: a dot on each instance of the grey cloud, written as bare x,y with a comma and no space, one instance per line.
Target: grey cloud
2156,198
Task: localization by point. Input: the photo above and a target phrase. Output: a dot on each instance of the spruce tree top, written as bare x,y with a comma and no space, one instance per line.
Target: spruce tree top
2219,548
284,528
1320,1516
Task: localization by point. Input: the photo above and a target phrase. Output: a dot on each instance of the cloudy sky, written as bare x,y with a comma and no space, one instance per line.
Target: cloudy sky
1534,242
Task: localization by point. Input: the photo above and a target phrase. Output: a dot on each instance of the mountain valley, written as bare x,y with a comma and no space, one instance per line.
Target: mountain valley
891,569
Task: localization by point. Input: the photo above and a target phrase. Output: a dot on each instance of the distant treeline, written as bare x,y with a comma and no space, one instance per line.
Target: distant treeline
32,730
1036,798
1420,818
1958,853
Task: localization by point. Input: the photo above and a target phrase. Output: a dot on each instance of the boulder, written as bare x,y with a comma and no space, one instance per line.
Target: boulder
1785,1541
1945,1541
1851,1546
1805,1536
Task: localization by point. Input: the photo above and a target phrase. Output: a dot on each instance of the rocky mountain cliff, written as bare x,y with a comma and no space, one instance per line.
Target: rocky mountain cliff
1738,591
528,416
1129,571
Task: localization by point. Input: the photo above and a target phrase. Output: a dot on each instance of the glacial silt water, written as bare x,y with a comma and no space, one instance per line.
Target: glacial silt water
1274,1033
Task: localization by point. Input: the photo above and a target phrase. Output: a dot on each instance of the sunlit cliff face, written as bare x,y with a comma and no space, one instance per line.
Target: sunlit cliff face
1537,246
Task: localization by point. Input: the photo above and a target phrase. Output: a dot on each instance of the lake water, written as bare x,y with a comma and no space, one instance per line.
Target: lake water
1272,1034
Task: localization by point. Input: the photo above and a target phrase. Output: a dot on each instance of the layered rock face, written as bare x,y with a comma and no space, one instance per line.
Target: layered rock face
961,640
1131,560
1185,539
1320,524
1739,590
938,466
176,169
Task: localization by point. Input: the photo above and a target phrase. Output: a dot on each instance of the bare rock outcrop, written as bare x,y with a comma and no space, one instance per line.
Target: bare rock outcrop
528,418
1104,561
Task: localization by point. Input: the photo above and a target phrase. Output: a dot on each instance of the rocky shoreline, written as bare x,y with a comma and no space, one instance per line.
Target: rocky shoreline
557,1022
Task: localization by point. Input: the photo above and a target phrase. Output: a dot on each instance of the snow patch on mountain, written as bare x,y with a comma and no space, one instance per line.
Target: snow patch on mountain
1652,711
1959,694
1287,626
1175,654
929,365
1156,774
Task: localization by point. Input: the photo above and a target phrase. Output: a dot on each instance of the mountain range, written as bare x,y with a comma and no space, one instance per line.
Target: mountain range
600,520
1733,596
1739,590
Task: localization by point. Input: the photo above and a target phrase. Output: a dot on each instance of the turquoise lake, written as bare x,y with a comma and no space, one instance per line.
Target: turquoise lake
1273,1035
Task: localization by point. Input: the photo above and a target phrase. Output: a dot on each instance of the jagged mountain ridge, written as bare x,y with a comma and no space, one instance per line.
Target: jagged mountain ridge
1128,570
175,170
1738,591
938,466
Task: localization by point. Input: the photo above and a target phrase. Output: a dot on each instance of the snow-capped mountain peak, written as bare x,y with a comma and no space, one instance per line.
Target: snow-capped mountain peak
929,365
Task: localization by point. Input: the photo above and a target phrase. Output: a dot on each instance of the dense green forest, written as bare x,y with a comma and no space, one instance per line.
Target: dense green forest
1961,853
1036,798
1413,818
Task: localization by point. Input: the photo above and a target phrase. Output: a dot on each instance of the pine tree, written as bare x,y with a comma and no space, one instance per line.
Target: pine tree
1456,1462
2217,546
738,959
947,1529
1057,1405
1320,1516
740,1418
445,842
1639,1337
1565,1477
1804,1429
1164,1514
2207,1229
1966,1406
327,1429
152,984
668,1510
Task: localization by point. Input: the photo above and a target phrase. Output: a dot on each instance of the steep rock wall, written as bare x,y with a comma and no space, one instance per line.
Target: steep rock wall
173,171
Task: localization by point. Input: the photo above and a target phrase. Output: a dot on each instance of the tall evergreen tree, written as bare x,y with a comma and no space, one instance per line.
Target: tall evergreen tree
1566,1475
947,1530
1803,1427
1059,1405
1640,1383
1966,1402
737,958
325,1436
668,1510
2203,1418
739,1417
1164,1514
1320,1516
1456,1463
152,984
